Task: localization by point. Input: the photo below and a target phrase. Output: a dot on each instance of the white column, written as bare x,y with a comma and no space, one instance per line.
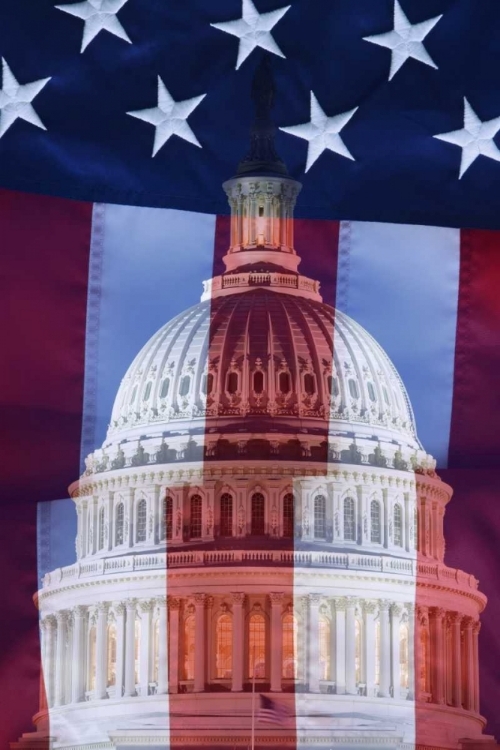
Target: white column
314,602
119,608
199,643
146,608
77,675
395,651
475,638
49,663
130,648
173,650
437,654
369,646
385,649
411,651
340,661
470,671
238,641
62,621
101,651
162,686
350,647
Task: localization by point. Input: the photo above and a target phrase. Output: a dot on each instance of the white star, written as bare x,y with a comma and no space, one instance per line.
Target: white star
253,30
322,132
475,138
15,100
405,40
169,117
98,15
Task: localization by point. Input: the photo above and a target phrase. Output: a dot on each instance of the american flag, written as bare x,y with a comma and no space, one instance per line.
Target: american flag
272,712
120,119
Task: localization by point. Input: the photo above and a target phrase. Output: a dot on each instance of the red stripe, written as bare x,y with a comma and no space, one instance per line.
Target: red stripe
43,282
475,437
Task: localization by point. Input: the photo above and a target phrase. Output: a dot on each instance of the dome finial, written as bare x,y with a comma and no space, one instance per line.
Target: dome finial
262,157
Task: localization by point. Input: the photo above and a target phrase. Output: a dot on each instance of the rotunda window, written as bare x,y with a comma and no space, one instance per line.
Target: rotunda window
371,391
309,384
232,382
210,383
353,388
403,654
349,520
288,515
320,517
196,516
141,521
120,513
165,386
333,385
184,385
386,395
256,646
134,394
226,515
375,522
91,664
398,525
166,523
324,648
284,382
290,650
189,648
111,651
147,392
258,514
224,647
258,381
101,528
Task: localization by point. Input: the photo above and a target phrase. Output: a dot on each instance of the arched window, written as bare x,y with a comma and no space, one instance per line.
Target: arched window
324,648
386,395
284,382
137,649
349,520
120,513
398,525
320,517
101,528
232,382
111,651
258,514
189,648
91,664
258,381
134,394
147,392
309,384
166,518
257,646
288,515
290,653
377,652
376,522
184,385
224,647
404,654
357,650
203,385
141,520
196,517
371,391
226,514
353,388
333,385
210,382
165,388
156,649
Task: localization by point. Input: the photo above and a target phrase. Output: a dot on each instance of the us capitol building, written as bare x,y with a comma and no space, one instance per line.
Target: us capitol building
260,513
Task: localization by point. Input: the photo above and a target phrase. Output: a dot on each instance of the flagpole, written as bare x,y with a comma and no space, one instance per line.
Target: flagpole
253,700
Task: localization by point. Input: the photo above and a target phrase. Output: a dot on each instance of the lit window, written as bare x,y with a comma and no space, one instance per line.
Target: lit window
166,518
120,512
165,388
189,648
353,388
403,654
196,517
290,652
91,671
258,381
141,521
258,514
226,515
309,384
376,526
101,528
324,648
257,646
284,382
147,392
349,520
288,513
184,386
232,382
371,392
224,647
111,671
319,517
398,525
